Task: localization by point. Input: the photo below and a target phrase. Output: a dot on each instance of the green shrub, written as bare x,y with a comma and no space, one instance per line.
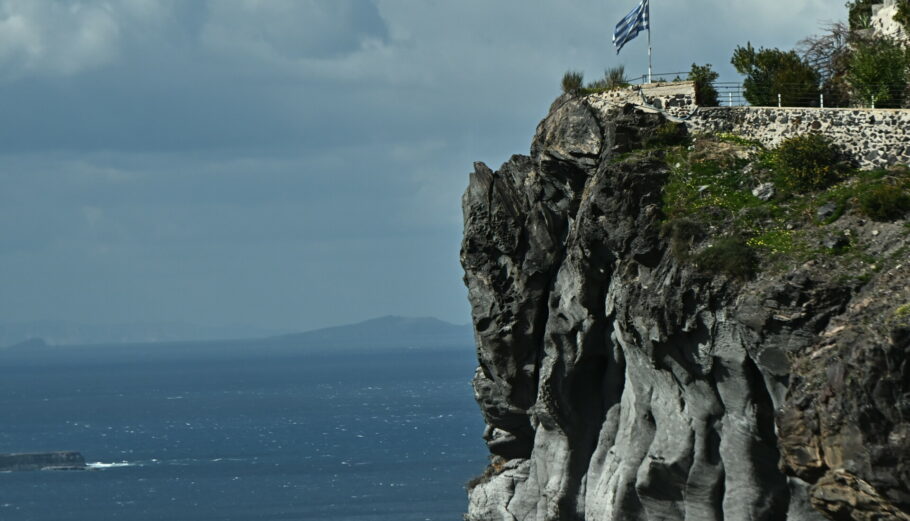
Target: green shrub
877,72
683,233
806,162
884,202
572,82
770,72
668,134
730,255
704,77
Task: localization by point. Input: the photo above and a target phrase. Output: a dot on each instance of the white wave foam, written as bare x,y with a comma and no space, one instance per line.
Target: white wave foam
100,465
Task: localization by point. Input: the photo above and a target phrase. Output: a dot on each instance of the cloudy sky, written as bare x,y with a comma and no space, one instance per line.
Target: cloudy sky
289,164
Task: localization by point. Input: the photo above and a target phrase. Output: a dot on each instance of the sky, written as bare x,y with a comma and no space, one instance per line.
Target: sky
290,164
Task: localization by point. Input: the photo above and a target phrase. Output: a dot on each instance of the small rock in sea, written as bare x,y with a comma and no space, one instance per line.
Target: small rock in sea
826,211
764,191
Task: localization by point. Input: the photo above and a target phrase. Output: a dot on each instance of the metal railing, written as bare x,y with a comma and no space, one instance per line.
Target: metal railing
733,94
659,77
730,94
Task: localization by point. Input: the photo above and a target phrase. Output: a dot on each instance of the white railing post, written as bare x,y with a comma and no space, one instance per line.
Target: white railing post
778,101
730,98
821,100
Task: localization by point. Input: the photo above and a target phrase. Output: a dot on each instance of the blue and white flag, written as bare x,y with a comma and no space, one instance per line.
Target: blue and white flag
631,25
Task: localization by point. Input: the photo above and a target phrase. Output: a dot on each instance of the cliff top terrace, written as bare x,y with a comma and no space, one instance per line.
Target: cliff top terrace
874,137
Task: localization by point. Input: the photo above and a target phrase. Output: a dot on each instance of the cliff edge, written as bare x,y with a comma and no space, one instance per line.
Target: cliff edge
661,336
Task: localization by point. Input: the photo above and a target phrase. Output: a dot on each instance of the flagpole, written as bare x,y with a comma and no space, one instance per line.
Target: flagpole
649,43
649,52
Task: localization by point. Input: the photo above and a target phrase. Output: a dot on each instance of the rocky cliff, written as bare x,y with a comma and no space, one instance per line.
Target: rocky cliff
630,370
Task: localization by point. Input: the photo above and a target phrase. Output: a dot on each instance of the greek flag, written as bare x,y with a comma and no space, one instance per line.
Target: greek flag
631,25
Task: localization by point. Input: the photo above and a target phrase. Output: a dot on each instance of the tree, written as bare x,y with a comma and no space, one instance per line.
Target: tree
704,77
878,72
829,54
772,72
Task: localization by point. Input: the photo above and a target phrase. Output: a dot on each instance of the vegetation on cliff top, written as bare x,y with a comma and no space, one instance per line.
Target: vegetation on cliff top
774,76
847,64
732,206
573,82
704,77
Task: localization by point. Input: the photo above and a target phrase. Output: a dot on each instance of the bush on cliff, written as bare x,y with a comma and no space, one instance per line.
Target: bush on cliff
683,234
614,78
806,162
772,72
572,82
667,135
884,202
704,78
729,255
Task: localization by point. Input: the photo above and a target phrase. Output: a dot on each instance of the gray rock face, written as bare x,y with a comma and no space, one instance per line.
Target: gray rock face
618,383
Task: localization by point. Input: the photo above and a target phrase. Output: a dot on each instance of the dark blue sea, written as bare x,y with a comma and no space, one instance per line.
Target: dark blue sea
388,436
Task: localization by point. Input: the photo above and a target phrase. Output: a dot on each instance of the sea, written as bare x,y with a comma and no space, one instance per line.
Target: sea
365,436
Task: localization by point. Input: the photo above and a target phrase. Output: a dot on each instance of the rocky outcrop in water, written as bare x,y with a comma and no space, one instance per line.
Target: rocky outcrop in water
620,381
64,460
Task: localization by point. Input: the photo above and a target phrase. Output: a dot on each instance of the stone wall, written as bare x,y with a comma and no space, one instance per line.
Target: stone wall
674,98
873,137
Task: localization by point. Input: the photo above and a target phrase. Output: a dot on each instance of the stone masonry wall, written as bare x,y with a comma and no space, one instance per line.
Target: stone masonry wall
674,98
873,137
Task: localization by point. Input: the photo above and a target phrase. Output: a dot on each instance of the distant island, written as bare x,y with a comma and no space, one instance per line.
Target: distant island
63,332
384,333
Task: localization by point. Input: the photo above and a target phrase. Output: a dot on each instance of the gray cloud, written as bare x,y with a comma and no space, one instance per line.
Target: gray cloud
294,29
288,164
